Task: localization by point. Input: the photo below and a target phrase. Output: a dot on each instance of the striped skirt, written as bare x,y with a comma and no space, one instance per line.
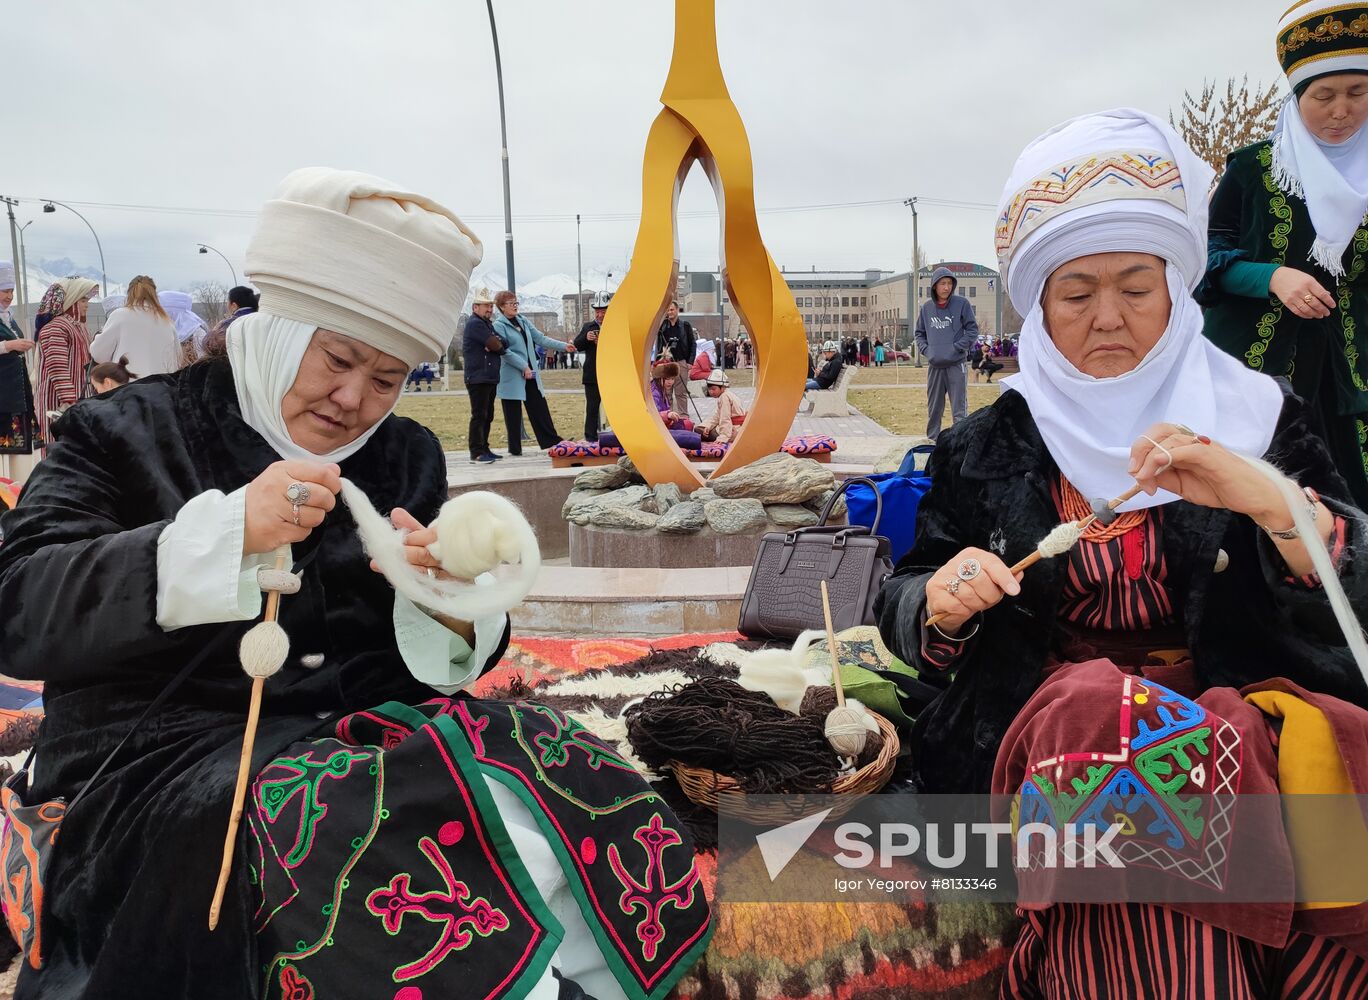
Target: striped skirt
1145,952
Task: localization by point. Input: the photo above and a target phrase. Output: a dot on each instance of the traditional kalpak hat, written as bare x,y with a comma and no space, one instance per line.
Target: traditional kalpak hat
481,297
359,255
1119,180
1321,37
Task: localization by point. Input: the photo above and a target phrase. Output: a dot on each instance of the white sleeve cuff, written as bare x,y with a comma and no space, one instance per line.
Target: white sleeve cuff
434,654
202,575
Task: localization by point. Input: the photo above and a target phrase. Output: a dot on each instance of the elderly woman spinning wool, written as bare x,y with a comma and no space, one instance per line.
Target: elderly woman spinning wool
400,838
1130,677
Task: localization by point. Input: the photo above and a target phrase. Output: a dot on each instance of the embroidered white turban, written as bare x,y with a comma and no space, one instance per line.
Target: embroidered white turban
6,275
1125,164
349,252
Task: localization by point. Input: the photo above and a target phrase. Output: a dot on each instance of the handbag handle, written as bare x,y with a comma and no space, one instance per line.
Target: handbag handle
840,491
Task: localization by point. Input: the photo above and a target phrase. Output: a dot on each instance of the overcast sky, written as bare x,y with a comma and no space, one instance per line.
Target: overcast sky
206,105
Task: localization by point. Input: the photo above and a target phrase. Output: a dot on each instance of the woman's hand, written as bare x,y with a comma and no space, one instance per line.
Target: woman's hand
528,373
270,517
18,346
950,594
1301,293
1206,473
416,544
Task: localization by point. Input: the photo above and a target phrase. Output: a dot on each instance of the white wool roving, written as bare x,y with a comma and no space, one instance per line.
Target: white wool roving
1320,558
475,533
779,673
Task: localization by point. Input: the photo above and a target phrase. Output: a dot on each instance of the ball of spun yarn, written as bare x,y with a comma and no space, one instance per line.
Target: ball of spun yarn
819,700
1061,539
845,731
874,744
264,649
475,532
717,724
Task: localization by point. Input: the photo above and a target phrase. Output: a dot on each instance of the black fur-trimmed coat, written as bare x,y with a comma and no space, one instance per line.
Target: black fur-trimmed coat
991,477
134,868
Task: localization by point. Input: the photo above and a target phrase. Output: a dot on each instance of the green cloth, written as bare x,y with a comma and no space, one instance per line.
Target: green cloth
876,693
1254,223
1244,277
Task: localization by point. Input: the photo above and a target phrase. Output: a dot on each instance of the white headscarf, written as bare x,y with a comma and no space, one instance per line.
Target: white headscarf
180,307
1122,181
1331,178
6,275
265,352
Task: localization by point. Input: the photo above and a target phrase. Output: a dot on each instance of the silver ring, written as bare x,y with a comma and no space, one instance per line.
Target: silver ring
432,572
1167,454
969,569
954,585
297,494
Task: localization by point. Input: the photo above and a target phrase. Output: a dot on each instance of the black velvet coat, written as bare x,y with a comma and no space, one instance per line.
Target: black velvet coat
991,477
130,883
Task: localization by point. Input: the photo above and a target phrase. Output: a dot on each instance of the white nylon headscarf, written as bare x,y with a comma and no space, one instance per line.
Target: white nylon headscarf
1122,181
1331,178
181,308
265,352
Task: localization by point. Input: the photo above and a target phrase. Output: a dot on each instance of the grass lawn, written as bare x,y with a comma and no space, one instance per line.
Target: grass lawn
903,411
449,418
887,375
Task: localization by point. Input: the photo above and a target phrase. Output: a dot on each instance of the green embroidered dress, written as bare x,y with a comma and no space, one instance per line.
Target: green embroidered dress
1253,221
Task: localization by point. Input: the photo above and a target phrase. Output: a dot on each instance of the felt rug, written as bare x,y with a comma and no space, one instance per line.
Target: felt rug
842,951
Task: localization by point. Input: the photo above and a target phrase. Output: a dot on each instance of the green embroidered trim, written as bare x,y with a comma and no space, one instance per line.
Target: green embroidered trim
1362,429
1348,324
1278,239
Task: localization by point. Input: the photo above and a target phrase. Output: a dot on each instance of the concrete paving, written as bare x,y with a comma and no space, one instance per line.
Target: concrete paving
860,441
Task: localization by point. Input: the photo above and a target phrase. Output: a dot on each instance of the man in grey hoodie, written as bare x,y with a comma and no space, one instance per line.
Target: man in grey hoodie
946,332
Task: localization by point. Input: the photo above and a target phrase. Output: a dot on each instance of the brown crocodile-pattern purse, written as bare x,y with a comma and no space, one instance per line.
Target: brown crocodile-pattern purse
784,595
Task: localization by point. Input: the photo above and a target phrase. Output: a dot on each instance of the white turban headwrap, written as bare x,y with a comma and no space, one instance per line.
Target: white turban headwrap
366,258
180,306
1121,181
6,276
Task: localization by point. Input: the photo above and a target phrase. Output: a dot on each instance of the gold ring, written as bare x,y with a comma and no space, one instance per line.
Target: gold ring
1308,299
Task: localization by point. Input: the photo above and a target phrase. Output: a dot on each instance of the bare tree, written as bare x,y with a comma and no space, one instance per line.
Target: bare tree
211,301
1217,126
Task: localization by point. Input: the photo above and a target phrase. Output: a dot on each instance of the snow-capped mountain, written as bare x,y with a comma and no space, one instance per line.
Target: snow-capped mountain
544,294
40,274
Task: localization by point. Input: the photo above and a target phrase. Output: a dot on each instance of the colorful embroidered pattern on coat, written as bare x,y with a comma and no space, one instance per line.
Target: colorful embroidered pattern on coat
1105,176
1169,776
384,840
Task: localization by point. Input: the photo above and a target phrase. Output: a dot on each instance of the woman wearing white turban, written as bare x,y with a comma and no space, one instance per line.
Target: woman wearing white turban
1287,281
401,839
1101,687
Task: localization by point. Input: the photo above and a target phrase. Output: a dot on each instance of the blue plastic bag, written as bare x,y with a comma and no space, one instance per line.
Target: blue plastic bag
901,493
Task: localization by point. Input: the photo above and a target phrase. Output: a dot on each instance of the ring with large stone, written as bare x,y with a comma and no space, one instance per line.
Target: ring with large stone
954,585
969,569
297,494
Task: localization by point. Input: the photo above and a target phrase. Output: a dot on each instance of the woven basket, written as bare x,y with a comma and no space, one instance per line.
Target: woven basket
722,793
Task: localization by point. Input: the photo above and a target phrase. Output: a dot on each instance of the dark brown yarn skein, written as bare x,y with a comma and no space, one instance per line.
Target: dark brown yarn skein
819,701
715,723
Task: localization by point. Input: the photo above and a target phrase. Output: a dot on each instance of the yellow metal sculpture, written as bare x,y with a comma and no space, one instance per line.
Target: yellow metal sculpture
699,124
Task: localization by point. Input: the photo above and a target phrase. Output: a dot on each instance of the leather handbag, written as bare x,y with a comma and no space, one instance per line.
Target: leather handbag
784,594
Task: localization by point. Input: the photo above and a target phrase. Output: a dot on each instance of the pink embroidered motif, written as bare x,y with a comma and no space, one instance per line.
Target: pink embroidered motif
651,893
461,915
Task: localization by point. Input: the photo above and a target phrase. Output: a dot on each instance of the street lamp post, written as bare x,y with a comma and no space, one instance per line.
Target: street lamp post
503,134
48,204
205,248
23,260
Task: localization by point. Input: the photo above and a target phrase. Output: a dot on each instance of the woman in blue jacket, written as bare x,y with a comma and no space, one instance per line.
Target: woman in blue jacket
520,375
